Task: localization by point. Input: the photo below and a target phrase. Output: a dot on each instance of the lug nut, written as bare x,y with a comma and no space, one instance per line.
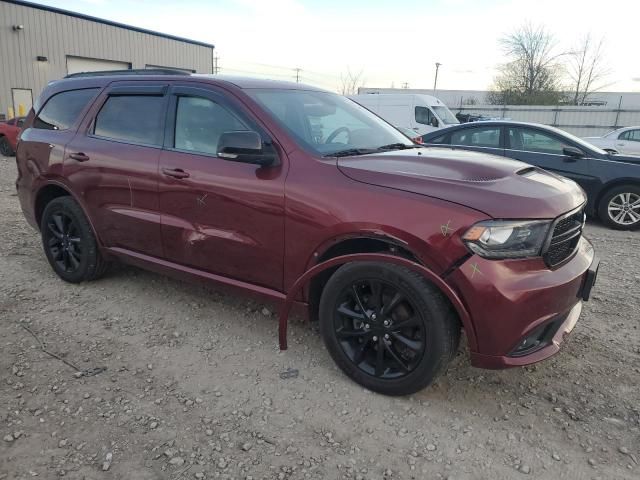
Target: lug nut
366,326
375,339
373,316
386,336
386,323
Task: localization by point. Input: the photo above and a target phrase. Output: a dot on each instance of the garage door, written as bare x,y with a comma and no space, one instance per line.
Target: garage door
83,64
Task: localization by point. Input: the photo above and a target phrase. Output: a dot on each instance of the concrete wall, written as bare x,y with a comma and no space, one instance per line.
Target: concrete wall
57,35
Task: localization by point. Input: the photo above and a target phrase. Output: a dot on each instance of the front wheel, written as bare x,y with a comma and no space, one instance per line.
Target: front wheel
619,208
387,327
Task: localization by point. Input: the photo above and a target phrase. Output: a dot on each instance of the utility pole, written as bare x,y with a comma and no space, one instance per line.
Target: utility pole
405,85
297,70
435,82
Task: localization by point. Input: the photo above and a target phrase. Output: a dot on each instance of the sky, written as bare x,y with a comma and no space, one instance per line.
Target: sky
389,43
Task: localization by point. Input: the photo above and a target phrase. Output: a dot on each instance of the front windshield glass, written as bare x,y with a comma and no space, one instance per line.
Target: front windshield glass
327,123
445,115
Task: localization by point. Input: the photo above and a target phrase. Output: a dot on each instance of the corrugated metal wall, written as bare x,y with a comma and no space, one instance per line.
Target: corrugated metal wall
581,121
54,35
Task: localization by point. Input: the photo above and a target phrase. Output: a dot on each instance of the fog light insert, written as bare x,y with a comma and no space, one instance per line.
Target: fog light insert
538,338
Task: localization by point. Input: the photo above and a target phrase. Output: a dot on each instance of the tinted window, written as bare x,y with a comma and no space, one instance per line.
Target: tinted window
63,109
132,118
477,137
631,135
424,115
20,122
439,139
200,122
535,141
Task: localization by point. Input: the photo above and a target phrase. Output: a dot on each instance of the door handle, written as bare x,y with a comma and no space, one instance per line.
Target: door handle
79,156
175,172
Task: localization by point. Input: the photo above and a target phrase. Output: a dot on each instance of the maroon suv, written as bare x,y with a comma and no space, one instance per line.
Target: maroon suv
305,198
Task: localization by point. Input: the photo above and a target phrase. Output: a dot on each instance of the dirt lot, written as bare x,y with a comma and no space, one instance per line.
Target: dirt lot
193,387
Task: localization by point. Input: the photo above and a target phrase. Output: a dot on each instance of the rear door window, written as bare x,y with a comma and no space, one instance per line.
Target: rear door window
62,110
132,119
477,137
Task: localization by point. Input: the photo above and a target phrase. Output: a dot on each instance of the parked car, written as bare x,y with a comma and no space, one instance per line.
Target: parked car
612,182
420,113
415,138
392,247
624,140
9,132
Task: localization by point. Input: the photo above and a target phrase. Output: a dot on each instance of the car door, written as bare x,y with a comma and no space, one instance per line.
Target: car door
112,163
545,149
219,216
484,138
628,142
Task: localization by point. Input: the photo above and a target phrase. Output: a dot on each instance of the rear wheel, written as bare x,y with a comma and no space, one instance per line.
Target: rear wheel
620,207
69,242
386,327
5,148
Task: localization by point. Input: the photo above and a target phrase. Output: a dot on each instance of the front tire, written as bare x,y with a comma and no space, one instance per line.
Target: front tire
69,242
619,208
387,327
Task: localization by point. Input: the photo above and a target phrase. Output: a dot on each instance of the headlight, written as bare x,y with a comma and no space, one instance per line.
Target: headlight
507,238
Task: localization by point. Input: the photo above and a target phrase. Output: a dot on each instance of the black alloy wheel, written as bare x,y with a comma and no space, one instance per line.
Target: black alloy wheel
387,327
379,328
69,242
64,242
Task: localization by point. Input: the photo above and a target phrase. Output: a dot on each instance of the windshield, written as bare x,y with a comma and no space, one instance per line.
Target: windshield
327,123
445,115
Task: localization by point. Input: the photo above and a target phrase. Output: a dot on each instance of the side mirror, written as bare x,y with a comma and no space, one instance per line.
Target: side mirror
573,152
434,122
243,146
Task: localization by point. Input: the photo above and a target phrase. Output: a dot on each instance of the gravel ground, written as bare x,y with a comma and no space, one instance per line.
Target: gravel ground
193,386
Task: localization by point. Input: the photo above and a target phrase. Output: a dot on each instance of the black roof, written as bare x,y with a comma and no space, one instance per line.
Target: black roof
105,22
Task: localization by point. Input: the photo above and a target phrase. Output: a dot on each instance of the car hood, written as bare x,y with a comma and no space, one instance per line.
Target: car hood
493,185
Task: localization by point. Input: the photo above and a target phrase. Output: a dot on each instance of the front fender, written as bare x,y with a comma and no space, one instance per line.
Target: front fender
453,297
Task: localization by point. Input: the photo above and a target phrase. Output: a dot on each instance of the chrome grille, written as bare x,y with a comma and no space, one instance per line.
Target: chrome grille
564,237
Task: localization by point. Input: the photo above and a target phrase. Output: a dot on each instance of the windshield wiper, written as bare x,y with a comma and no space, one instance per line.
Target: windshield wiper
397,146
351,152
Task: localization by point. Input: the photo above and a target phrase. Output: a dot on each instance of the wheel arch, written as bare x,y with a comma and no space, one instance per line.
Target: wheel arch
52,190
345,245
332,263
618,182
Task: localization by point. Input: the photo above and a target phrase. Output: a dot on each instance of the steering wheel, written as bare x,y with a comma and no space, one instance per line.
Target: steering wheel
337,132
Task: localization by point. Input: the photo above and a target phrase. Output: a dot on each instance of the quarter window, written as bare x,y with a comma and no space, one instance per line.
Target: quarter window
132,118
477,137
199,124
63,109
531,140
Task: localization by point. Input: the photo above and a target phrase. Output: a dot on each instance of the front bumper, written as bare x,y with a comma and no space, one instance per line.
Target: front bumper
513,301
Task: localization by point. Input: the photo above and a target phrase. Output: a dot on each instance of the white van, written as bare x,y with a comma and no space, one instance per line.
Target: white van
420,113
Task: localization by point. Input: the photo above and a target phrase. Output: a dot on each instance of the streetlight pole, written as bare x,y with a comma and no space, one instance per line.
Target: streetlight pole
435,82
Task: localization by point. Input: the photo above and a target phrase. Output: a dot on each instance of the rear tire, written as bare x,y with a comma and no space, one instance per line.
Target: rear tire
69,242
619,208
387,327
5,148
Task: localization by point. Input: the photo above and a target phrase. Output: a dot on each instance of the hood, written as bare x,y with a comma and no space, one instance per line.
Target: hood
493,185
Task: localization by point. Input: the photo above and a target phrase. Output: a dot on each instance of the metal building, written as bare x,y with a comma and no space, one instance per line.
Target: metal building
40,43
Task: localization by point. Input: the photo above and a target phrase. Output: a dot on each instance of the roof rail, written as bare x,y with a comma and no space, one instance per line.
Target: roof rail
140,71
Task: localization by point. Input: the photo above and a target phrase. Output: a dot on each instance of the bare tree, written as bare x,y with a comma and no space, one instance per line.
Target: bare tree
531,76
587,69
350,82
